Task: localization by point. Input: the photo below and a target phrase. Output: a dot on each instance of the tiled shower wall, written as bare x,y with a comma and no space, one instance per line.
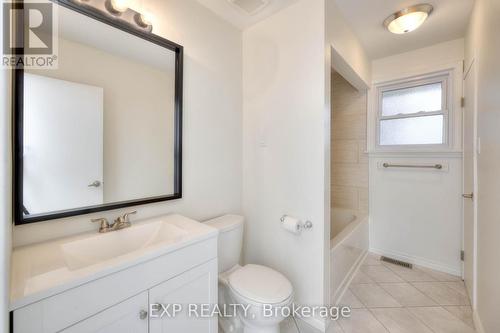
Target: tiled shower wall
349,162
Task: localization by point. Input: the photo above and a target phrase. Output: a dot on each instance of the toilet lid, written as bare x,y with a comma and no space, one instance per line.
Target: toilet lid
261,284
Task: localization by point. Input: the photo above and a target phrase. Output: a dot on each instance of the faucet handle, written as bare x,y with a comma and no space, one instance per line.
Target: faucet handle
126,215
104,224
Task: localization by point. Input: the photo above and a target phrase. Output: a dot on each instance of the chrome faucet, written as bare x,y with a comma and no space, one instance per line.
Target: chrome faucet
121,222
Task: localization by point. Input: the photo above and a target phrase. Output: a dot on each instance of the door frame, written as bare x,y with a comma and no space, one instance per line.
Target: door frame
475,152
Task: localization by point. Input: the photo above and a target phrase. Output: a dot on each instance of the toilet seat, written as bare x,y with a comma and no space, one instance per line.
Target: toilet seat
260,284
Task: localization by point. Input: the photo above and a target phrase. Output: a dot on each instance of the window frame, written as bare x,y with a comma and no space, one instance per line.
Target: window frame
445,78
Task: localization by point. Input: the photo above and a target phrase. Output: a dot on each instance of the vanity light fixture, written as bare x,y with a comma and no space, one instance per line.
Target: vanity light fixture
117,6
143,19
408,19
120,10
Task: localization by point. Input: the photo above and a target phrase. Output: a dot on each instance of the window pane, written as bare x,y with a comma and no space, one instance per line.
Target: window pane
412,100
412,131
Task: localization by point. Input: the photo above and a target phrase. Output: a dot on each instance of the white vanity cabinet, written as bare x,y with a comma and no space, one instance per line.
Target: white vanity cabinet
131,316
117,299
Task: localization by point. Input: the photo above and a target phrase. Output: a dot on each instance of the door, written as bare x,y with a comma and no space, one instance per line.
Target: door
197,286
63,145
469,181
129,316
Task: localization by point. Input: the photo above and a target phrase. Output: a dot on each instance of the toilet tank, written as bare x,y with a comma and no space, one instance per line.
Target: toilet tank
230,240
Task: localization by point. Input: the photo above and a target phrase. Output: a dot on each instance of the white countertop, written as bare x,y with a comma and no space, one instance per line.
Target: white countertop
42,270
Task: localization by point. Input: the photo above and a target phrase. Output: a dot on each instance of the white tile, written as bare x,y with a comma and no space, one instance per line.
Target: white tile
440,321
439,276
334,328
441,293
288,326
361,321
372,260
349,299
458,286
464,313
373,296
380,273
361,277
410,275
400,321
407,295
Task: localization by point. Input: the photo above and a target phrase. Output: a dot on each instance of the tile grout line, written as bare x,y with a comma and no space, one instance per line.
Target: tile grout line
407,308
402,306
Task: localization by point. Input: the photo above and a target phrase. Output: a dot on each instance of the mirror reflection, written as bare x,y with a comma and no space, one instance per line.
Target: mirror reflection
100,129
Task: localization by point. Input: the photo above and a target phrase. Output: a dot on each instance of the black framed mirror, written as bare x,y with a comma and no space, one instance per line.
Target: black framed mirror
102,130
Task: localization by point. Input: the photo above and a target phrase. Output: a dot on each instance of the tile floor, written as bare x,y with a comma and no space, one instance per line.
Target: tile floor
386,298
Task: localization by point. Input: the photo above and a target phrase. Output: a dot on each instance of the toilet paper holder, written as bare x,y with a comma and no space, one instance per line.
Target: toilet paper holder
307,225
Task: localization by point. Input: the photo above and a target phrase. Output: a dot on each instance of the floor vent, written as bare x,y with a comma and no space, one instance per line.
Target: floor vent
396,262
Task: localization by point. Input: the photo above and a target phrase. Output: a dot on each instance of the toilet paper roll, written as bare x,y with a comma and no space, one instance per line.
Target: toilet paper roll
291,224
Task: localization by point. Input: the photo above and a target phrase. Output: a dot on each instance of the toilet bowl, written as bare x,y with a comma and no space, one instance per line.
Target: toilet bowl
259,292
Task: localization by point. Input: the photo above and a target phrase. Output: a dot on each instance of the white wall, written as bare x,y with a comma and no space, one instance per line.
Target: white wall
138,116
5,190
284,138
349,56
212,122
416,215
483,45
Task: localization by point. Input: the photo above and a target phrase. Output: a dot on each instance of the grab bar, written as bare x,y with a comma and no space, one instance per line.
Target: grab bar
435,166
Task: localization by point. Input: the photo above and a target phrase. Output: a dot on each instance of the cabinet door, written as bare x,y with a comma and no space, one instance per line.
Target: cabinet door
129,316
196,286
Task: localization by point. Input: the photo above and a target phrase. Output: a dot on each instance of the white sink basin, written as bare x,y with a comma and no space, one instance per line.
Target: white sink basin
102,247
45,269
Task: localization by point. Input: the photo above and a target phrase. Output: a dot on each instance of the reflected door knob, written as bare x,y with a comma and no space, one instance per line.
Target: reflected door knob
468,196
143,314
95,184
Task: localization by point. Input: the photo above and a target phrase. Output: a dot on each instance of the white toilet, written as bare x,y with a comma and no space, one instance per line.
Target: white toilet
255,286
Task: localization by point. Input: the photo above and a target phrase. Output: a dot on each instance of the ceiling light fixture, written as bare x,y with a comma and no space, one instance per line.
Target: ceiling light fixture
408,19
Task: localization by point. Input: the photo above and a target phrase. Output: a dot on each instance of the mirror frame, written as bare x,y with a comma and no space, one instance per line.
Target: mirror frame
17,123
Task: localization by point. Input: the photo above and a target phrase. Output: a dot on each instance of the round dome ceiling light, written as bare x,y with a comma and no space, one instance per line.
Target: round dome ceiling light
408,19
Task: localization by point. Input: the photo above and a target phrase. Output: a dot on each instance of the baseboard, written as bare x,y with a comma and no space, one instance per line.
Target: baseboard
477,322
338,294
418,261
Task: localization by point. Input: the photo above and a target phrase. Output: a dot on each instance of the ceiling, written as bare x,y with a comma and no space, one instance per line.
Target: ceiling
75,27
240,18
448,21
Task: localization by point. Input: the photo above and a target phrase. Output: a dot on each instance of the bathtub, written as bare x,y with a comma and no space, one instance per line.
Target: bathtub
348,247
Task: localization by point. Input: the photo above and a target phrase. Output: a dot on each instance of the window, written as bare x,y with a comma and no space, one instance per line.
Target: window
414,113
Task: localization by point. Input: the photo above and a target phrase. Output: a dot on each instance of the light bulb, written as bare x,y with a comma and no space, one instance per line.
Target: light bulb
147,18
407,23
120,5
